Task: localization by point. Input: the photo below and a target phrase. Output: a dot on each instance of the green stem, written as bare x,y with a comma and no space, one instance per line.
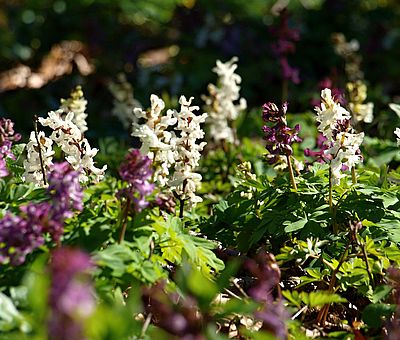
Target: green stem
353,175
331,208
124,220
291,174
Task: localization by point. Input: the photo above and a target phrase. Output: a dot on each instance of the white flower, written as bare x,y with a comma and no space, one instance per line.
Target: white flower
32,163
187,152
362,112
221,101
334,124
329,114
76,104
397,133
124,102
157,142
76,149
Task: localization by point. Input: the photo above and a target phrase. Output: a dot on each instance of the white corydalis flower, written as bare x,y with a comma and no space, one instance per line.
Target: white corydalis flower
124,102
222,99
76,103
334,124
397,133
75,147
187,152
157,142
32,164
329,113
361,112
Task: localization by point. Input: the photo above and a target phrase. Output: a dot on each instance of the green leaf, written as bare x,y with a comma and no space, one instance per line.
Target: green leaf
373,314
293,226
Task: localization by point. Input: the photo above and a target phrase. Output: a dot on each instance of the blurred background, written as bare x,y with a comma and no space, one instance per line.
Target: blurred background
169,47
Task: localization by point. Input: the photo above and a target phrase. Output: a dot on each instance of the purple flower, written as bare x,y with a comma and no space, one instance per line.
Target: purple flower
279,137
18,238
20,235
64,189
337,93
319,156
71,296
7,136
285,45
136,169
267,276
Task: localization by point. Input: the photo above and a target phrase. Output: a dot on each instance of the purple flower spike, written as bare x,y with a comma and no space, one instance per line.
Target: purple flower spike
20,235
279,137
7,136
285,45
267,276
71,297
136,169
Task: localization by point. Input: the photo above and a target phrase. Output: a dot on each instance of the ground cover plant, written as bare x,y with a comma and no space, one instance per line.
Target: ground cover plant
207,217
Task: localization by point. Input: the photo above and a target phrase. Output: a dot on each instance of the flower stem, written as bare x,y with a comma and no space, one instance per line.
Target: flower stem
323,313
35,120
331,208
292,179
124,220
353,175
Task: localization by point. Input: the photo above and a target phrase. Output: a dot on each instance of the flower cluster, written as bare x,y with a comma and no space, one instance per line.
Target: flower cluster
397,133
76,103
136,170
69,138
362,112
157,142
124,102
7,137
272,312
20,235
285,45
185,180
39,153
223,110
343,141
71,296
348,51
279,137
174,154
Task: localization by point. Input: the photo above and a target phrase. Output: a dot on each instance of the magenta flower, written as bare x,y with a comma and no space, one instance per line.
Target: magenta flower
71,296
136,169
319,156
285,45
20,235
267,276
7,136
279,137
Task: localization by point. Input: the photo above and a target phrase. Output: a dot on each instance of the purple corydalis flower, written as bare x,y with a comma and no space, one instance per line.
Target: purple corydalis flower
20,235
136,169
319,156
267,276
71,296
7,132
7,136
285,45
279,137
